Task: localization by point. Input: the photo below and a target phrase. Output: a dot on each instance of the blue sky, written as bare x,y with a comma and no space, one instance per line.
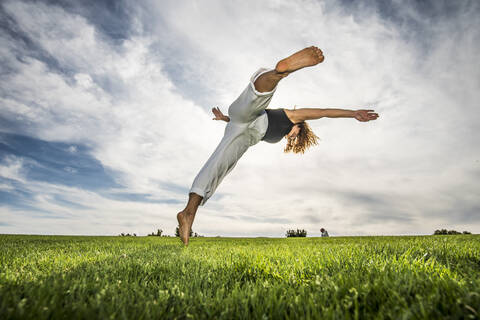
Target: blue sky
105,116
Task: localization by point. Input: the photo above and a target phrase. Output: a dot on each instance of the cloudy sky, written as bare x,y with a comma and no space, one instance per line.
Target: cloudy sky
105,116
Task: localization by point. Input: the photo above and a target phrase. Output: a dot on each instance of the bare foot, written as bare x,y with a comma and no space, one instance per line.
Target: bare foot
304,58
185,221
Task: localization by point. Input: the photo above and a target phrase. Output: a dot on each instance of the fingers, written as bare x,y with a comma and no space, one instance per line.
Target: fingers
216,111
364,117
369,114
218,114
370,118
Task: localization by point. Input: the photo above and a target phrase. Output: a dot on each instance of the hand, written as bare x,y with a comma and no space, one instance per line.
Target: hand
365,115
219,115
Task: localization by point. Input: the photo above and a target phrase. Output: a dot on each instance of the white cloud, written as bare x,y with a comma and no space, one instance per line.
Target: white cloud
131,133
72,149
142,105
12,168
96,215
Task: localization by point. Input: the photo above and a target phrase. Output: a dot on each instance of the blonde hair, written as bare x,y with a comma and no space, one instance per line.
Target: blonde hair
304,139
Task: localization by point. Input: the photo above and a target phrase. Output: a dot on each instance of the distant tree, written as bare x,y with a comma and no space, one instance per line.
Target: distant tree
296,233
453,232
177,232
445,231
158,234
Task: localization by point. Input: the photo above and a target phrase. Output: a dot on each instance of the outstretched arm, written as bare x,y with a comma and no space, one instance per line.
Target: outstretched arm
302,114
219,115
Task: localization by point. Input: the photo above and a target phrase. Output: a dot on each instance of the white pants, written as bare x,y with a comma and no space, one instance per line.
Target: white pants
247,126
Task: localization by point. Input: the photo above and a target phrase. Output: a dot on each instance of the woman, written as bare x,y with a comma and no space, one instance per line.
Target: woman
249,122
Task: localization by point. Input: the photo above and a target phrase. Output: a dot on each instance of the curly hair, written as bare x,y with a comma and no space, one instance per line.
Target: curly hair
304,139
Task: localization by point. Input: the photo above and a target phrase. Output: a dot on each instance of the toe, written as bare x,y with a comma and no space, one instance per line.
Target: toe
320,56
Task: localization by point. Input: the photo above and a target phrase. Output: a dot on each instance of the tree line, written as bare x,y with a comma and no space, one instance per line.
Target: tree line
445,231
289,234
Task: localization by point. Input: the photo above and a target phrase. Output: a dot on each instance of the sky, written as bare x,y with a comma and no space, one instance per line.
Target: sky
105,116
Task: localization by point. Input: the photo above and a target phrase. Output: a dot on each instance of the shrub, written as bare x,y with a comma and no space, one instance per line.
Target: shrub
296,233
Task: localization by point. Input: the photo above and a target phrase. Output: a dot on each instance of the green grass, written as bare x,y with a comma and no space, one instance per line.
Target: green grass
66,277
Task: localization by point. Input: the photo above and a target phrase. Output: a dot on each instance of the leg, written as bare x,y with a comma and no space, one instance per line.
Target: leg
251,103
269,80
304,58
233,145
185,218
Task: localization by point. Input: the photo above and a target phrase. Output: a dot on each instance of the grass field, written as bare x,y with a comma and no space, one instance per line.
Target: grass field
67,277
